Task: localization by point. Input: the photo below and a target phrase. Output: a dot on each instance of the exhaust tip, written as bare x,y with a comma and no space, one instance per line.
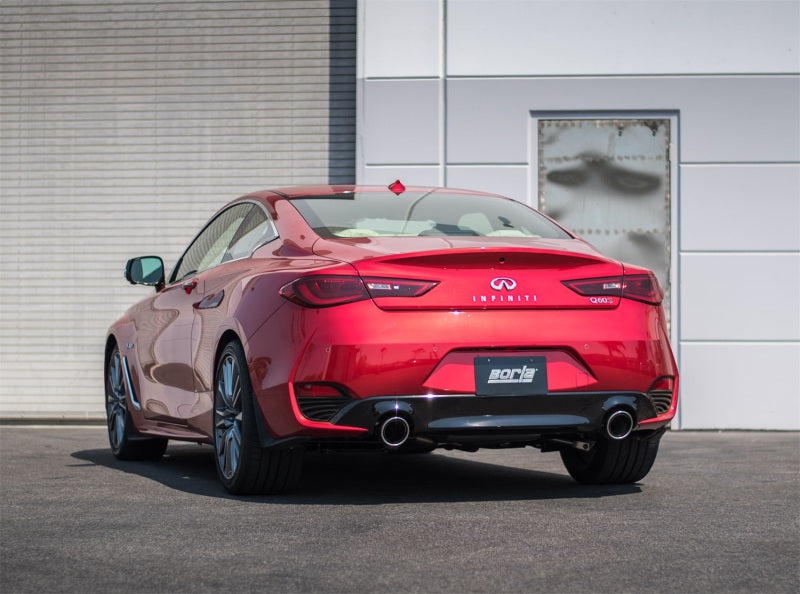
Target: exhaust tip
394,432
619,424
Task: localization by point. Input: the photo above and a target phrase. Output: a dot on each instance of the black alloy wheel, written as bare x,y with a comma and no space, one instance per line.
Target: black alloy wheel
126,443
245,467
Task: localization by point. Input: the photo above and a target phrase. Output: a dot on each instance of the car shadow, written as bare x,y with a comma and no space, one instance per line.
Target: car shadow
367,478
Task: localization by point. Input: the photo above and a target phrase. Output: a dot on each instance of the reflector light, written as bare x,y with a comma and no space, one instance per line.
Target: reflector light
397,187
324,291
663,384
662,395
639,287
309,390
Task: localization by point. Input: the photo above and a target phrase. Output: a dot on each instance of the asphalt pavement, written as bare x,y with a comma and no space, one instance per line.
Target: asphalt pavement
719,512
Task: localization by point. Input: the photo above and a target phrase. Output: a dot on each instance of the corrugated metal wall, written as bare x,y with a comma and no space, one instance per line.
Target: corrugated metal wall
123,126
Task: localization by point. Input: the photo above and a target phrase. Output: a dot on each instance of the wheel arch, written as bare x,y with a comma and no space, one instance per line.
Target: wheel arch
111,342
227,337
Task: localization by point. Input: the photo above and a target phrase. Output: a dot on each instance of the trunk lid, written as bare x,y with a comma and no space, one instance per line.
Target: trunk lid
477,274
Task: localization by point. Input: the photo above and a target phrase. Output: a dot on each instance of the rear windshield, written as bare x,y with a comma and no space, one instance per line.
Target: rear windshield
372,214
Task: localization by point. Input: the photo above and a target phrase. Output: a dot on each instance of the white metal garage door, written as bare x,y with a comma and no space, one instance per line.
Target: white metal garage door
125,124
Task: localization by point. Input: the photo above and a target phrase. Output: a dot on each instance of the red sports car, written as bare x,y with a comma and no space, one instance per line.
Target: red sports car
403,318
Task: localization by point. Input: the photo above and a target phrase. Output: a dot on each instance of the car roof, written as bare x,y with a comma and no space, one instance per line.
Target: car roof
292,192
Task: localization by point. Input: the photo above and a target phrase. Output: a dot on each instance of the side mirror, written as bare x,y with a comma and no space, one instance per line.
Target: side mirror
147,270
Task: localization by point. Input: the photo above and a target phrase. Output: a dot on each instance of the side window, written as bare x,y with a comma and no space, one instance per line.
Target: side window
209,247
256,230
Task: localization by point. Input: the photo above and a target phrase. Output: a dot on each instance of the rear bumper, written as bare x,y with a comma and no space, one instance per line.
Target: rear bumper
497,420
426,359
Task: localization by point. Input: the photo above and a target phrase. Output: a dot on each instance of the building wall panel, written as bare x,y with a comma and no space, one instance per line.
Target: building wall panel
401,122
410,175
513,38
404,38
740,296
740,207
740,386
723,119
507,180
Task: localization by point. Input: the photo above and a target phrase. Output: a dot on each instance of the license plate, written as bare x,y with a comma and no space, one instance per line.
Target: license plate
510,376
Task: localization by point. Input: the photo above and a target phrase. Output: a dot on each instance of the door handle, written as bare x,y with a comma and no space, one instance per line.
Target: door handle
189,286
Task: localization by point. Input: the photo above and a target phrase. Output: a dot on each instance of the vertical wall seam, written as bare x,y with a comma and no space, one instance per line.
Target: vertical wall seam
443,97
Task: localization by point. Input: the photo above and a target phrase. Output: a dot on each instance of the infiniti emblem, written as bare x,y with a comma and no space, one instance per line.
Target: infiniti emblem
500,283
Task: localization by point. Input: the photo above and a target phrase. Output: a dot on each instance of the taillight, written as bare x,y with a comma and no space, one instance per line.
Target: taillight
396,287
639,287
329,290
324,291
643,287
607,287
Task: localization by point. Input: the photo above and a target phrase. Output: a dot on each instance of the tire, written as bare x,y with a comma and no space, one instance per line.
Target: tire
125,442
613,462
243,466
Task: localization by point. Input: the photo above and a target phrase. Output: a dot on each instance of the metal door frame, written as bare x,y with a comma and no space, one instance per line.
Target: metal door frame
674,198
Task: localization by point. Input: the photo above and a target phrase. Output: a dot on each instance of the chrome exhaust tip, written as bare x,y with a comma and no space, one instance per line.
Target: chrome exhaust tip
619,424
394,432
